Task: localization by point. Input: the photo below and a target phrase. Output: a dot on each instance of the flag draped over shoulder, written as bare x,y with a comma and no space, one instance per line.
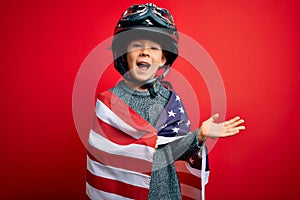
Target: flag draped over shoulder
121,148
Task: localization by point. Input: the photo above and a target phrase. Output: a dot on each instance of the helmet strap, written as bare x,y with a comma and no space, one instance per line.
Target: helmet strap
152,92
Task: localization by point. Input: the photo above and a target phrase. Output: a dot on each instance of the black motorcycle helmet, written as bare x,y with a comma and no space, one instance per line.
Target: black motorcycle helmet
145,21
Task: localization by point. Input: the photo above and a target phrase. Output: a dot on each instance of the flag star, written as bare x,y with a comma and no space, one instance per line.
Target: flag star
171,113
192,160
181,110
188,123
164,126
180,122
177,98
175,129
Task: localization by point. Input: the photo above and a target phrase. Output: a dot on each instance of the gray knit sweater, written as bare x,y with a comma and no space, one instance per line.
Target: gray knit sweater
164,184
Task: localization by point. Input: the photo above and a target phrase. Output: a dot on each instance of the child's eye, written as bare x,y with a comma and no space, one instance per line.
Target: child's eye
136,45
154,48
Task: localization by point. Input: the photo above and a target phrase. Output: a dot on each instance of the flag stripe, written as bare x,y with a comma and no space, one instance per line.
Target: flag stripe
132,150
118,174
95,194
118,137
165,140
187,198
117,187
190,192
106,115
117,161
189,179
126,113
185,167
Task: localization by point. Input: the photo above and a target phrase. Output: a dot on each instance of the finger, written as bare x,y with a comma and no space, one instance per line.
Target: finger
235,129
236,123
234,132
230,133
215,116
231,120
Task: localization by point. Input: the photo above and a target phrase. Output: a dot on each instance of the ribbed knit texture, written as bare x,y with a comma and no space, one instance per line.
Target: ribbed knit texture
141,102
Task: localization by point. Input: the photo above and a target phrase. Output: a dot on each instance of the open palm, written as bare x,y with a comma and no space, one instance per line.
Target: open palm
210,129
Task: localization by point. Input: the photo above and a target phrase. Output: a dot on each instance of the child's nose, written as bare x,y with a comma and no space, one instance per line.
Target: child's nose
144,51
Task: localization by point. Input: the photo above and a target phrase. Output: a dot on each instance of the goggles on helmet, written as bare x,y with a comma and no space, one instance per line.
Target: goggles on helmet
141,11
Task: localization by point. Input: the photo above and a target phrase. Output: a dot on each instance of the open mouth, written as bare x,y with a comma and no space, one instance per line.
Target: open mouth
143,65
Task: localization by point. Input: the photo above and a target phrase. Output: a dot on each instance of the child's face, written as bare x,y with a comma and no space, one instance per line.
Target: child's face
144,57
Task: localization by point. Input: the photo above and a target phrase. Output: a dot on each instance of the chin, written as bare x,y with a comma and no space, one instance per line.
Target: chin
142,78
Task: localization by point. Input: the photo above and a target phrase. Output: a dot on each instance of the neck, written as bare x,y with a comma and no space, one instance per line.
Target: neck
136,86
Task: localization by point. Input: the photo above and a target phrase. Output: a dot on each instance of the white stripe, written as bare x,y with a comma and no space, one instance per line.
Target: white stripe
108,116
165,140
190,191
132,150
182,166
191,170
125,176
96,194
205,177
204,174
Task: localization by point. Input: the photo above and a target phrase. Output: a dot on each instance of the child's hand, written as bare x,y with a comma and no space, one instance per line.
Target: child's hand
210,129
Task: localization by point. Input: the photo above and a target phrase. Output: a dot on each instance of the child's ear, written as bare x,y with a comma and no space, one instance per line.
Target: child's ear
163,59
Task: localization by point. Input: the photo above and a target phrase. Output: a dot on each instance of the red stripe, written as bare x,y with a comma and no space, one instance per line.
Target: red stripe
126,113
128,163
189,179
117,187
121,138
187,198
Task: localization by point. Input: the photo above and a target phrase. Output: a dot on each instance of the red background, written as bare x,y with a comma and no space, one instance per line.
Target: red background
254,43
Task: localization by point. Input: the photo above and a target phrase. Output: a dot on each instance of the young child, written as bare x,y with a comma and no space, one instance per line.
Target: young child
141,127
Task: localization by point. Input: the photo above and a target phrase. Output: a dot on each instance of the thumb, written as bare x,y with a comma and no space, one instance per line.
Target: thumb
215,116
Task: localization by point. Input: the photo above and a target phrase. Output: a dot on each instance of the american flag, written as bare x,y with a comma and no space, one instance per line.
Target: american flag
121,148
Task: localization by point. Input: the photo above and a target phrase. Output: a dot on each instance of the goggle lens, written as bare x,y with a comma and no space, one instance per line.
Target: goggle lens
164,14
